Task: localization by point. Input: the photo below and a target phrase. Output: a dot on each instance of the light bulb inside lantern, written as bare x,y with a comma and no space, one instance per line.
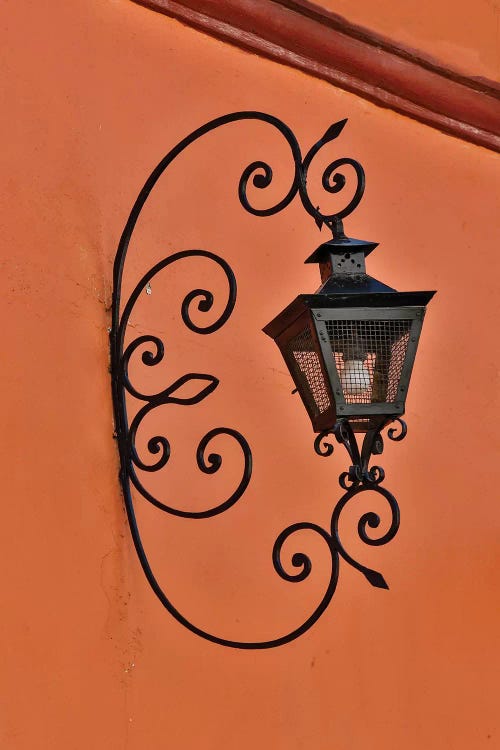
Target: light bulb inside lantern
355,377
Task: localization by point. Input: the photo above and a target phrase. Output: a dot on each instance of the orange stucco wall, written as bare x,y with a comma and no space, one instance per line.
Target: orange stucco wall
95,93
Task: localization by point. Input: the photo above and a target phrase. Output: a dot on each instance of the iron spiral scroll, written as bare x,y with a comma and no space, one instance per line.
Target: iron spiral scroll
360,477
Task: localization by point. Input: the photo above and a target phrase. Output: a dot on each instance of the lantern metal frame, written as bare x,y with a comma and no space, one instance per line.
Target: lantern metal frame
312,311
361,475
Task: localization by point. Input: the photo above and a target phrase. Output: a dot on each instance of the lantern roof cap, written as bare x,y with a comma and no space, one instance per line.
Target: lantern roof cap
305,302
353,283
340,245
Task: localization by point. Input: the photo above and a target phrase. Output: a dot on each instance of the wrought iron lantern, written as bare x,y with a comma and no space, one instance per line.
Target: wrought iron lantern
349,347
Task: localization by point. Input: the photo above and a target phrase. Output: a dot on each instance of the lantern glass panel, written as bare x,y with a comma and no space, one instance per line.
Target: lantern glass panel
369,357
305,367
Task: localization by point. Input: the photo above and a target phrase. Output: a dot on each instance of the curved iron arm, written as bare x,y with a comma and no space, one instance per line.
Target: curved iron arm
358,479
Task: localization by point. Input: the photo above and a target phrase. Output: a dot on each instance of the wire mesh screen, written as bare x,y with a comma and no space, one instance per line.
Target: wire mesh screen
369,357
305,366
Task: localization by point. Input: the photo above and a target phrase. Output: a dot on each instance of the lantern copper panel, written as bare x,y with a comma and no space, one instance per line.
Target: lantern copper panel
302,353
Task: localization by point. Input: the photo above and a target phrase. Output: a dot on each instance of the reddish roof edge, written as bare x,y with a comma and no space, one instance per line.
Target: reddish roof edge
299,34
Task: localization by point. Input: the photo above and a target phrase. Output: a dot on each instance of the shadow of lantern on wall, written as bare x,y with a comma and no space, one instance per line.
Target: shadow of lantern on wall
350,349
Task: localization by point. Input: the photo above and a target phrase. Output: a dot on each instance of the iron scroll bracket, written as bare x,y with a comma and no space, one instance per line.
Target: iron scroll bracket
359,478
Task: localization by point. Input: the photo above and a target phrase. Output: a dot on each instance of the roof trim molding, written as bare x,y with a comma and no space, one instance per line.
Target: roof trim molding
304,36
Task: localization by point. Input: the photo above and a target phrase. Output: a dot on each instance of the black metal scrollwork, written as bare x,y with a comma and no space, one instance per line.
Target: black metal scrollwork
360,476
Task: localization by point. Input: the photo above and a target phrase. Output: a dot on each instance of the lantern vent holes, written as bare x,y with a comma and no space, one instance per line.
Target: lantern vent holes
348,263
